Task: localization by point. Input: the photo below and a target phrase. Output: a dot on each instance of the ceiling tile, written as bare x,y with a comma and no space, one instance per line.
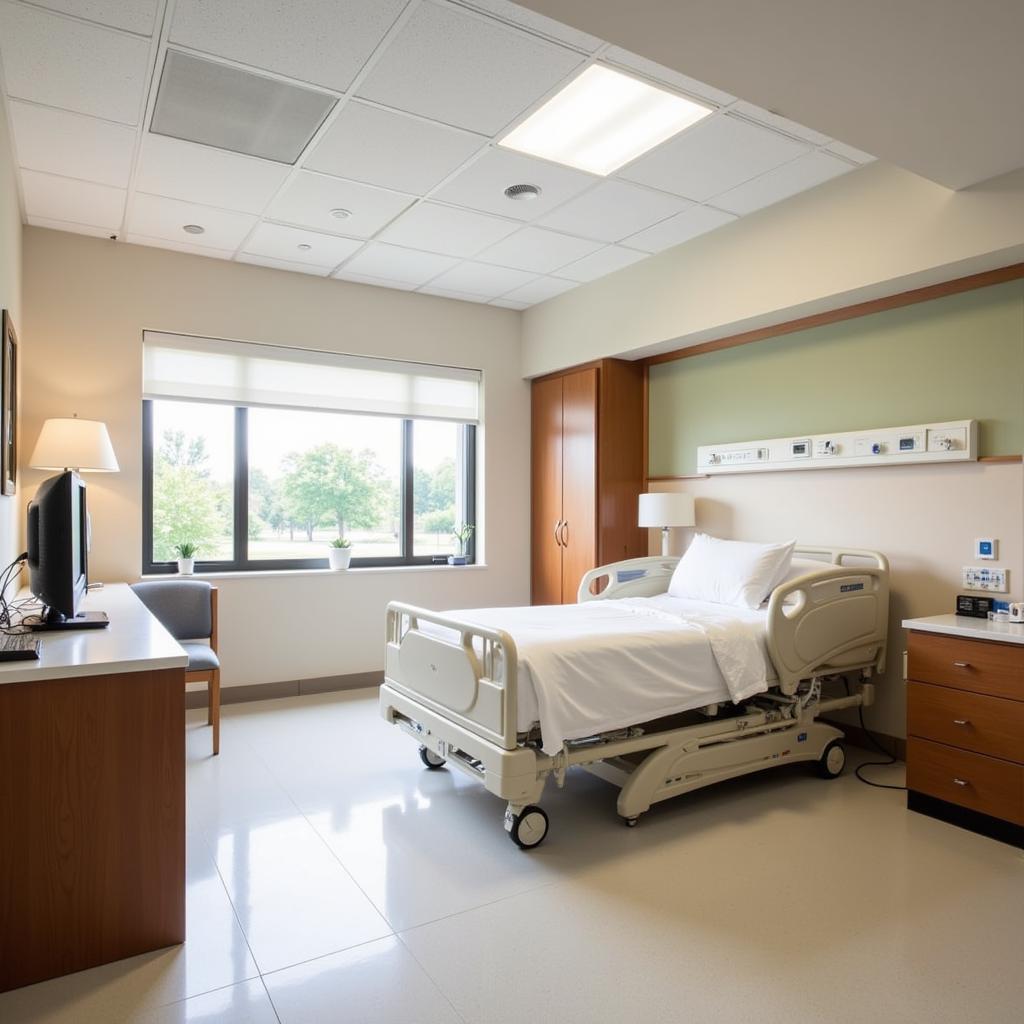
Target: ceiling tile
614,210
466,71
445,293
481,186
378,282
659,73
283,243
447,230
160,217
538,250
393,263
64,63
602,262
64,225
166,243
391,150
797,176
319,41
268,261
716,154
858,156
482,279
81,202
779,123
72,144
541,290
508,304
516,15
309,199
138,16
697,220
201,174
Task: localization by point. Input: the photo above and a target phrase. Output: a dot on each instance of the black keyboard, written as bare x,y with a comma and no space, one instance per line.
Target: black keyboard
18,647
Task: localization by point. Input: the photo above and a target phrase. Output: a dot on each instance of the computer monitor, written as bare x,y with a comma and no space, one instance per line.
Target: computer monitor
58,553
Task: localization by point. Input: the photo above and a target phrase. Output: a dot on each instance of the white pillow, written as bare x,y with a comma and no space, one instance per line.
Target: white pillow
730,571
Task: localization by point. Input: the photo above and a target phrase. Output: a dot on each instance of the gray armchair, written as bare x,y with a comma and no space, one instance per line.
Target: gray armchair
188,611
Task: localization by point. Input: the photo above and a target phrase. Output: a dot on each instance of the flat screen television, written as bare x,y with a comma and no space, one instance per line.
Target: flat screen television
58,553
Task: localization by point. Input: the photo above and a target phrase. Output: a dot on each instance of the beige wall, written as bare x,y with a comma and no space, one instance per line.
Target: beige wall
876,231
87,302
10,298
923,518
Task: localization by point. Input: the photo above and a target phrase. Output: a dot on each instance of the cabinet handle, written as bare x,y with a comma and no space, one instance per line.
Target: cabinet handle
961,721
558,526
565,534
962,664
960,782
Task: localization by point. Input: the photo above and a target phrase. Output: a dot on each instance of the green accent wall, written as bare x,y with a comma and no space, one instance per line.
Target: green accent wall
955,358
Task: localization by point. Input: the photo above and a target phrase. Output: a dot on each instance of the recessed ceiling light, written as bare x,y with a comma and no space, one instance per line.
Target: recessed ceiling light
603,119
193,229
522,193
304,246
341,214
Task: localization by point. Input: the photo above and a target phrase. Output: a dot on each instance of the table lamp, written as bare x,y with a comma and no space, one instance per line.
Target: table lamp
82,445
666,510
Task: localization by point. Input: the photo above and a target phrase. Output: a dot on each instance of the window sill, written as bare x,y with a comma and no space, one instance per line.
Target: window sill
276,573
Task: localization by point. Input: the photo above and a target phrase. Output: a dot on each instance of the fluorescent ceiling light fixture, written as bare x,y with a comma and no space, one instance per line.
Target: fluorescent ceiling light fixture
603,119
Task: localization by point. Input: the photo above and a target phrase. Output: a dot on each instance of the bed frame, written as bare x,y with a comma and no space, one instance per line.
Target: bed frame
458,698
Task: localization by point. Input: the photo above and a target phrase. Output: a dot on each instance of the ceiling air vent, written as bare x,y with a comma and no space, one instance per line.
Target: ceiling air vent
217,105
520,193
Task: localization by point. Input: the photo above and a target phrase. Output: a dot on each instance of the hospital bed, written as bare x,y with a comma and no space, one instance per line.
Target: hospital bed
454,682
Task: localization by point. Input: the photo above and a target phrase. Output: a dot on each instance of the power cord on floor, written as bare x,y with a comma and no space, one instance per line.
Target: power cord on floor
892,758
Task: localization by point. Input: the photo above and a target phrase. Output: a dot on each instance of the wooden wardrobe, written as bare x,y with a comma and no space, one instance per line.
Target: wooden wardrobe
587,451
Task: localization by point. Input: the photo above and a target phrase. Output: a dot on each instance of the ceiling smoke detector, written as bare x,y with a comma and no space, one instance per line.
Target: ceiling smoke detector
304,246
341,214
521,193
193,229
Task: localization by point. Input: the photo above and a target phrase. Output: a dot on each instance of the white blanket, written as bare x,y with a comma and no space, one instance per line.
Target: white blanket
602,665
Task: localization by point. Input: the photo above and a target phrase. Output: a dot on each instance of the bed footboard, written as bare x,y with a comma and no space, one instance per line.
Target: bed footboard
830,620
465,672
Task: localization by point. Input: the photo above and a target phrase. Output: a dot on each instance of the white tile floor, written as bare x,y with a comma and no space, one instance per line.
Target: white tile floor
331,878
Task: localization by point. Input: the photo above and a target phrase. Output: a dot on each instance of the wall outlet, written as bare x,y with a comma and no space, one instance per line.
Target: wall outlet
983,578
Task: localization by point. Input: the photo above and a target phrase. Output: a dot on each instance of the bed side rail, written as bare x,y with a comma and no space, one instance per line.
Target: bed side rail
830,620
632,577
463,671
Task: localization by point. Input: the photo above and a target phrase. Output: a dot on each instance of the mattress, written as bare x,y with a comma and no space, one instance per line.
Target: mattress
602,665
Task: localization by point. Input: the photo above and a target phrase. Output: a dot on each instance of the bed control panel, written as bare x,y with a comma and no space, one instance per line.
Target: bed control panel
956,441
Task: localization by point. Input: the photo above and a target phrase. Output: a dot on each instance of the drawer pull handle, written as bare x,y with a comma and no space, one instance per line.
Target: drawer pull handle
960,782
961,721
962,664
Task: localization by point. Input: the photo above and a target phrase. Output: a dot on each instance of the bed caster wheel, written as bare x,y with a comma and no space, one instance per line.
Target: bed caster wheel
630,822
528,827
832,761
430,759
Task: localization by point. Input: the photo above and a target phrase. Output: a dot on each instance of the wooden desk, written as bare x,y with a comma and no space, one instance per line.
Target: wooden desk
92,796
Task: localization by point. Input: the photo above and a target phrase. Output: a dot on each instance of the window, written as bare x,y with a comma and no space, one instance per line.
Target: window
269,485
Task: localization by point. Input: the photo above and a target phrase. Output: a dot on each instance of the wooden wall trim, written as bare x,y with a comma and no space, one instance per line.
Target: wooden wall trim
859,309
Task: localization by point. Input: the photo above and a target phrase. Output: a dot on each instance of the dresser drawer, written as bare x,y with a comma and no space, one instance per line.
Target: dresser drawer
975,665
971,721
970,780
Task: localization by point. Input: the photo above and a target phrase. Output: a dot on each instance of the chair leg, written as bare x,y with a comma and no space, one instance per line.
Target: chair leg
215,708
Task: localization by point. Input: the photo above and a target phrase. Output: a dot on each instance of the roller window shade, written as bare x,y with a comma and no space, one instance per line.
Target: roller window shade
240,373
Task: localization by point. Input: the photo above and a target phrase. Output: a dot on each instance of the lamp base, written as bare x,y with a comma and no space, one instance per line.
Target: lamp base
664,542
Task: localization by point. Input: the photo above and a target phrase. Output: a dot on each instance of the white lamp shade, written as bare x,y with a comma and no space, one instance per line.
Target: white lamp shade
659,510
74,444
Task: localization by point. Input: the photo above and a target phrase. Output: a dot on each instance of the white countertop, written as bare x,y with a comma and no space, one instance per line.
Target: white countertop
133,642
964,625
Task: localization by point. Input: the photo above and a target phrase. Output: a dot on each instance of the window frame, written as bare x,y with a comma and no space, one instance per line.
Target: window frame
240,562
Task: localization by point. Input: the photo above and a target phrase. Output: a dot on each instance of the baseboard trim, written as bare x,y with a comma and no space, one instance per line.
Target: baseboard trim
859,738
289,688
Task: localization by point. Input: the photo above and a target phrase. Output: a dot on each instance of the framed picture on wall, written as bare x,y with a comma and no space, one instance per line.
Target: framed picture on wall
8,407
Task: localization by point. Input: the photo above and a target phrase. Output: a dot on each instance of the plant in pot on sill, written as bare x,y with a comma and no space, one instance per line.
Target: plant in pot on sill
462,534
339,553
186,552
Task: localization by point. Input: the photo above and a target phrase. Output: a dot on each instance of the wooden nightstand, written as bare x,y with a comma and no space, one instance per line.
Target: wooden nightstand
965,723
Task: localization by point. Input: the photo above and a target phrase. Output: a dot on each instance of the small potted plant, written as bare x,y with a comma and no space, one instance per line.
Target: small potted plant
462,534
339,553
186,552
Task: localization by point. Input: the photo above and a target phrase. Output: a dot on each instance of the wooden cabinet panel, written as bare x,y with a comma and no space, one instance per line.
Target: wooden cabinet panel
975,665
975,781
546,499
579,479
987,725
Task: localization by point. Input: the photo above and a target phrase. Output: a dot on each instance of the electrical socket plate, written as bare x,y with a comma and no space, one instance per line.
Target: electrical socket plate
983,578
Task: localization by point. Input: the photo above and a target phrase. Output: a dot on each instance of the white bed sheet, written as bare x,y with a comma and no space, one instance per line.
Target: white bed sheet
602,665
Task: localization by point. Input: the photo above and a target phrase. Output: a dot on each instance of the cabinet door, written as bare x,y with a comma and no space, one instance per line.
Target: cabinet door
546,498
579,478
